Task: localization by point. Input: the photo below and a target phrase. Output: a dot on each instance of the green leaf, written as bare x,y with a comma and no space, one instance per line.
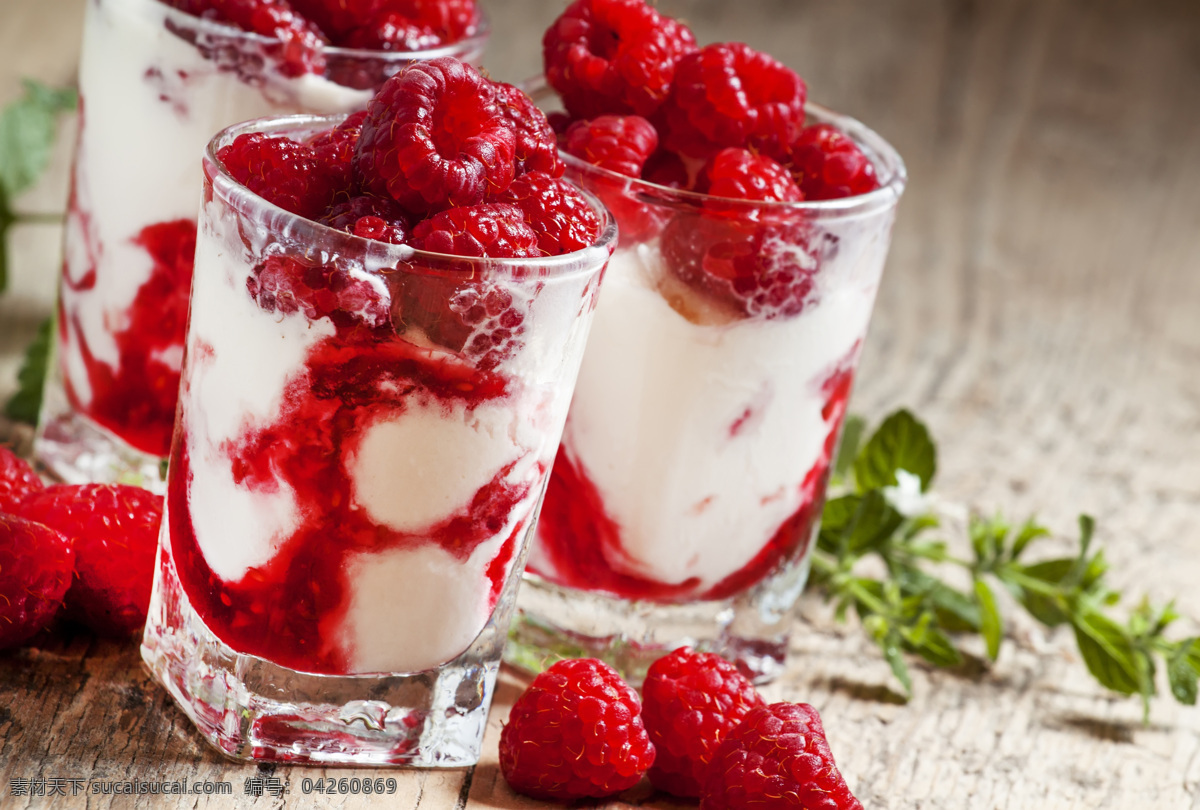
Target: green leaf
7,218
25,404
1031,530
1181,673
874,521
935,647
27,134
1108,653
852,432
990,625
900,443
955,611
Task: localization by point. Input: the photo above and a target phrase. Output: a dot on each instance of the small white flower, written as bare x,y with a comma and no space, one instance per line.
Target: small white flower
906,497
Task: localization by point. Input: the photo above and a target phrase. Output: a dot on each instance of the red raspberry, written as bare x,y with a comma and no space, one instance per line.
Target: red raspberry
740,174
338,17
300,42
613,57
35,571
576,733
729,94
758,269
435,138
618,143
559,214
335,149
282,172
690,702
114,529
828,165
495,230
287,284
17,481
666,169
392,31
451,20
385,219
777,757
537,143
483,320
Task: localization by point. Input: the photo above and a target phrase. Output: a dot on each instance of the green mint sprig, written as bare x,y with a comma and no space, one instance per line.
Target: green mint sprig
880,509
24,405
27,130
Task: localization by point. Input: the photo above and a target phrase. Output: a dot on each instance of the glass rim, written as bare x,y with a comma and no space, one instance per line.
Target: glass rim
888,164
477,40
385,253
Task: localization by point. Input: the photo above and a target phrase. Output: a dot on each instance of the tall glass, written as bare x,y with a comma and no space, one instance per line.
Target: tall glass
364,435
693,465
155,84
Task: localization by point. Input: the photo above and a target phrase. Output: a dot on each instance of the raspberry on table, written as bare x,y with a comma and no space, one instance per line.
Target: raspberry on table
729,94
690,702
575,733
537,143
493,230
35,571
556,210
777,757
743,175
435,138
17,481
619,143
613,57
114,530
387,220
828,165
282,172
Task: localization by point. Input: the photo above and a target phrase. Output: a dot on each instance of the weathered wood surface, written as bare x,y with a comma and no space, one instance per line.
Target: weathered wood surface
1041,311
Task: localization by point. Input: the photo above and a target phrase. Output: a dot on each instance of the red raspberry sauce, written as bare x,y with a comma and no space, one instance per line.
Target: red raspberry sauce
290,609
579,537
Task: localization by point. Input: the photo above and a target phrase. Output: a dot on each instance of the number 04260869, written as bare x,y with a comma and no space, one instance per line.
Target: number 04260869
348,785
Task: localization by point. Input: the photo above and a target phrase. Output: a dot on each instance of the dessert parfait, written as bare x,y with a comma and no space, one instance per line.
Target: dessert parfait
753,231
380,357
157,79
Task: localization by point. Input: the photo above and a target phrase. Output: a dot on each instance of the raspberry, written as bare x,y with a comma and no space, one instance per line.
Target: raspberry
537,143
691,701
742,175
35,571
482,320
338,17
666,169
559,214
334,149
494,230
828,165
451,20
777,757
300,42
282,172
371,217
391,31
575,733
729,94
114,529
618,143
17,481
286,284
759,269
613,57
435,138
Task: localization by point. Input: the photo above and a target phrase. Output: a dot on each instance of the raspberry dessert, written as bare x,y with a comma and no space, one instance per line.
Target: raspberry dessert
157,79
753,230
371,402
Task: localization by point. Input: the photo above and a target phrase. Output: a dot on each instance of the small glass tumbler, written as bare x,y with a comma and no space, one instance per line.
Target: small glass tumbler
692,471
364,436
155,84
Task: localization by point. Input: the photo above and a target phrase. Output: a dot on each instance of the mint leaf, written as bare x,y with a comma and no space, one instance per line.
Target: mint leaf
900,443
1030,531
7,218
1181,673
990,623
852,432
27,134
1108,653
25,404
933,645
873,522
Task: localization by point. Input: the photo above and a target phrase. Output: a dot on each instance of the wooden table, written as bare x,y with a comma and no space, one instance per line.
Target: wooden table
1041,310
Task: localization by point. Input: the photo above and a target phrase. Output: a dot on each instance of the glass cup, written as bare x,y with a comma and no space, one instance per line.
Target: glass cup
155,84
364,435
692,471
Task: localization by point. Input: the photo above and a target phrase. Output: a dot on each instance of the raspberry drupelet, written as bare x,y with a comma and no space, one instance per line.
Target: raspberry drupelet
619,143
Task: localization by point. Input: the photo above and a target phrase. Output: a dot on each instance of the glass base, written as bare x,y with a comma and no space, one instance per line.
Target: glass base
251,709
76,450
553,622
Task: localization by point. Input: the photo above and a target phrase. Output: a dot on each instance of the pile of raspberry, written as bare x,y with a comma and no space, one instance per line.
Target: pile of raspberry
443,159
305,27
700,730
85,552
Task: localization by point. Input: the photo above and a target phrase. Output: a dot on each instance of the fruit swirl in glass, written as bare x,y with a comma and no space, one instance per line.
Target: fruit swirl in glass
364,435
155,84
692,471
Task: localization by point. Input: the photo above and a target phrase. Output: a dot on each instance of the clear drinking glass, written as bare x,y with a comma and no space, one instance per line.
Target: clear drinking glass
155,84
365,432
693,465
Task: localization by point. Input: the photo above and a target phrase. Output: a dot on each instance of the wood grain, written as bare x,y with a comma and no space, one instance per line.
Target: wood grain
1041,310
